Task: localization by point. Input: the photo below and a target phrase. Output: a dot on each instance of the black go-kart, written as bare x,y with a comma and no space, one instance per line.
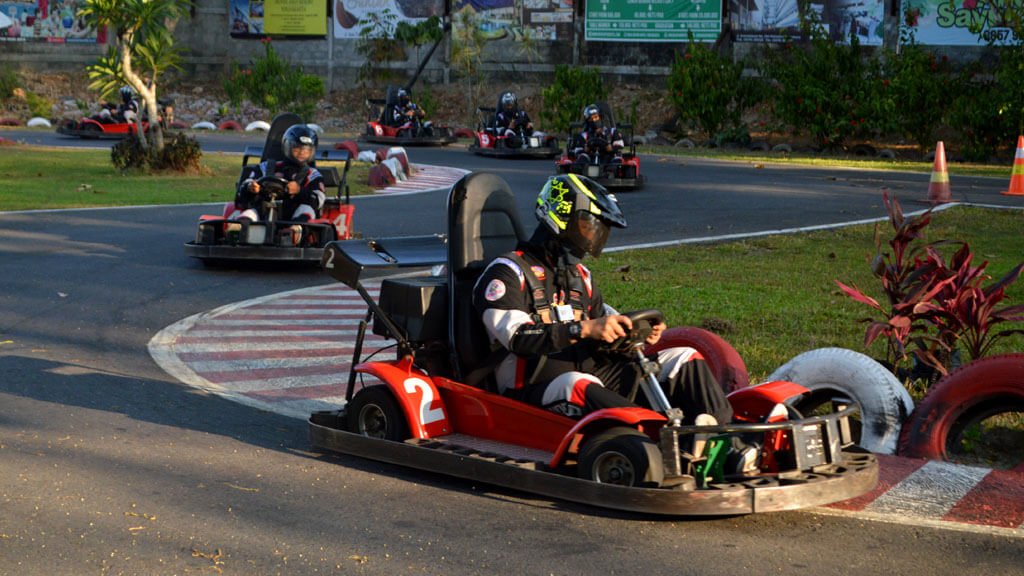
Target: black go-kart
617,170
490,141
221,239
380,129
431,408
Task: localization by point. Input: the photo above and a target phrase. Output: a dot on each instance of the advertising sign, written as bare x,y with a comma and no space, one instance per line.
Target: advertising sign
351,16
967,23
53,21
652,20
288,18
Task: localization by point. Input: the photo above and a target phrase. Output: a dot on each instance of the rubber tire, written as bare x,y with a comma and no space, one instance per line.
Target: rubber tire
982,388
621,456
884,403
723,360
374,412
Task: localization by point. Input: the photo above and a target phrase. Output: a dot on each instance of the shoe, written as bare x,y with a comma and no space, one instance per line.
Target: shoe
743,460
296,234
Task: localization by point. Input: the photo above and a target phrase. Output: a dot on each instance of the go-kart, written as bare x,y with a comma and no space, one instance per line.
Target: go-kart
112,127
381,130
619,169
219,238
490,141
433,408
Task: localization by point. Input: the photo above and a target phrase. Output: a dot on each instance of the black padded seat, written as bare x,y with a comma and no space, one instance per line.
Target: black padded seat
483,223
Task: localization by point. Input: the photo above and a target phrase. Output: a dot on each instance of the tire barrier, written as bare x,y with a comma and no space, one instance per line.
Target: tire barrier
983,388
37,121
837,372
230,125
723,360
260,125
204,125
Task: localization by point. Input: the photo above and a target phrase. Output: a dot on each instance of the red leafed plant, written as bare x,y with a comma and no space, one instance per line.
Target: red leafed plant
934,307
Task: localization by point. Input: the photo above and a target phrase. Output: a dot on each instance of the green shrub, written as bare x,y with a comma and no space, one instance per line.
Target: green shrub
8,81
38,105
710,93
975,113
572,89
828,89
182,153
274,84
921,88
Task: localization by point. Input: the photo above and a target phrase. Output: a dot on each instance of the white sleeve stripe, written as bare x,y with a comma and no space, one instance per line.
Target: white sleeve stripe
502,324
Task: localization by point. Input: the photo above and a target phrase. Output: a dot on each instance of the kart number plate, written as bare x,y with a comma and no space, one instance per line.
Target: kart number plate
811,446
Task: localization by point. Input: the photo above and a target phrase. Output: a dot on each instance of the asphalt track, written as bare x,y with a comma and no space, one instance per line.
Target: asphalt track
290,353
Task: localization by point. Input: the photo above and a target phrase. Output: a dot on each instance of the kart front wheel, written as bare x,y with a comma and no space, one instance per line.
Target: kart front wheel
374,412
621,456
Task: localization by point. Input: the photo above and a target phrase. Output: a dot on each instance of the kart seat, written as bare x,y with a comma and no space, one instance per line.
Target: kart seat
483,223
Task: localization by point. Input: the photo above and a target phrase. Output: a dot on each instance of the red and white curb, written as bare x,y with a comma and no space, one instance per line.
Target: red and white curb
425,178
290,353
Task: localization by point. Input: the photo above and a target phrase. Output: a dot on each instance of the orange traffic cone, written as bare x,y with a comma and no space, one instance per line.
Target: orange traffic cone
1017,175
938,188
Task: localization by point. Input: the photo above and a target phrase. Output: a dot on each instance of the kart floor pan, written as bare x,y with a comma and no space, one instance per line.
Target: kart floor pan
453,455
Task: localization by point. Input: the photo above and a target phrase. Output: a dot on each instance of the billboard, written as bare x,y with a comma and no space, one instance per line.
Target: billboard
285,18
652,20
55,22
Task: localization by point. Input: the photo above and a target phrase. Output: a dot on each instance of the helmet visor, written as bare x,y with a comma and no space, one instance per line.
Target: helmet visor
588,233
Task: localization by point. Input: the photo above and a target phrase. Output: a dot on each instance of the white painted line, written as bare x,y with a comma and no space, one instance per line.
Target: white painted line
930,491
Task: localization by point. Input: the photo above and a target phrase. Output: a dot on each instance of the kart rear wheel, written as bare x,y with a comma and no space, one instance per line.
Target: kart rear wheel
623,457
374,412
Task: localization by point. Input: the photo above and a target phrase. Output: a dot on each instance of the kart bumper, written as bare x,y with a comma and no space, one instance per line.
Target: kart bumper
857,474
504,152
226,252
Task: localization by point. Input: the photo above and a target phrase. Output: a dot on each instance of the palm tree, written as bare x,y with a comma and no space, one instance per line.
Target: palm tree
143,47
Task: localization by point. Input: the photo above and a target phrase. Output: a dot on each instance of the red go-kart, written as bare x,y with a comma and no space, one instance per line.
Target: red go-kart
222,239
420,409
617,170
113,127
494,142
381,130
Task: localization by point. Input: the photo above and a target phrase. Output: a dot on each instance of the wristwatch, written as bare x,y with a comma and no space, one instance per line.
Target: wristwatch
575,331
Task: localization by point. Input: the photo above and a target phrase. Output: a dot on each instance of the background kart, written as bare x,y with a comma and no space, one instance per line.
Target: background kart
272,240
380,131
488,142
429,410
94,128
621,171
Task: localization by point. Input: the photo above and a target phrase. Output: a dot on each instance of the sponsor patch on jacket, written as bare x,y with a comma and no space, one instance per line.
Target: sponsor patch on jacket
495,290
539,272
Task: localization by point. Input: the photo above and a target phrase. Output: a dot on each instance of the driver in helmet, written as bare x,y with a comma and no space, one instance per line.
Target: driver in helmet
511,121
305,190
405,111
126,111
598,139
541,307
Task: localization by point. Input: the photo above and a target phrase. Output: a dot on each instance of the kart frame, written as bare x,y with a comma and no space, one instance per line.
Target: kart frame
213,244
472,432
621,172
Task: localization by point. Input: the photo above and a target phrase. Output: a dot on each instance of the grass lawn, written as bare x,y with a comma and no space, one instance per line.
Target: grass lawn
75,178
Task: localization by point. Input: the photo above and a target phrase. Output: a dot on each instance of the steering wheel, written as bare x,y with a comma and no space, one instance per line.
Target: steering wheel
273,187
643,324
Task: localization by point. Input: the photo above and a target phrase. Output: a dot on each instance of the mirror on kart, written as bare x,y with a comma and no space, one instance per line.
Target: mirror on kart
643,324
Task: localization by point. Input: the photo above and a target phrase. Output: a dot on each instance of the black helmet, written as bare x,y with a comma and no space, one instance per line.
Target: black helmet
127,94
508,101
403,96
592,114
579,212
299,136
